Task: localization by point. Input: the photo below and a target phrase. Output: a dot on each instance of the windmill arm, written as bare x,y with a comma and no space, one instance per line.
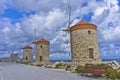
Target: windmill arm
67,30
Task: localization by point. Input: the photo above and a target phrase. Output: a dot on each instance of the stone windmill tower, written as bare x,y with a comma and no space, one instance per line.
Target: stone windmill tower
42,52
27,54
84,42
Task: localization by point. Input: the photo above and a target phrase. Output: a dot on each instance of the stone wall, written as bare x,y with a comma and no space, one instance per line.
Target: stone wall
14,57
81,41
42,50
27,56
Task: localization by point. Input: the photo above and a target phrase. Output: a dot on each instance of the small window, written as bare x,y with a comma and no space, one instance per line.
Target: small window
91,53
41,46
27,50
89,32
40,58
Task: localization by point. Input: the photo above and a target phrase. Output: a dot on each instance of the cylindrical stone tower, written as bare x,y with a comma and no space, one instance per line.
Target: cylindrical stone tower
27,54
42,52
84,42
14,57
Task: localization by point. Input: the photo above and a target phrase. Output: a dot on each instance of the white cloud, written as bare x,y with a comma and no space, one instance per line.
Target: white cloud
37,5
75,21
112,34
60,56
106,12
104,15
2,5
45,25
99,11
6,30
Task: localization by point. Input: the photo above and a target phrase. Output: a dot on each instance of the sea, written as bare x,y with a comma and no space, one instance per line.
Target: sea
118,60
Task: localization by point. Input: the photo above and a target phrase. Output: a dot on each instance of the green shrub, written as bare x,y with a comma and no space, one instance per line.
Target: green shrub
118,75
59,65
79,69
89,64
39,65
67,67
113,74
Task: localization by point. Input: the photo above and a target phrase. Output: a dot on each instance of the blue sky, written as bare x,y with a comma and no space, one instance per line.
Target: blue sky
19,19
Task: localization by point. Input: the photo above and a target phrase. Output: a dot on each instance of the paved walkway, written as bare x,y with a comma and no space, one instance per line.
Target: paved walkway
13,71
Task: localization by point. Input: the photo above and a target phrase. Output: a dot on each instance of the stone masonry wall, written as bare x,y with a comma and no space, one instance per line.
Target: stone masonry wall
27,53
44,52
81,41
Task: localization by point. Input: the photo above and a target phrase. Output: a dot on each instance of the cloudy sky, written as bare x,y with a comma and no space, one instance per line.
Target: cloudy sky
20,18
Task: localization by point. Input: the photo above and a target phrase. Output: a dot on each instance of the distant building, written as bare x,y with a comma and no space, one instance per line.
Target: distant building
27,54
14,57
84,42
5,59
42,52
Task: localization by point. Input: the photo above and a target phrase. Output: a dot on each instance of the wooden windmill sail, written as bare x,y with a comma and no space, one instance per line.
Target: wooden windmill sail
34,36
34,41
68,29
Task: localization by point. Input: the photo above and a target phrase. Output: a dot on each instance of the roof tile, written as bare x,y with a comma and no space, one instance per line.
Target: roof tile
42,41
83,25
27,47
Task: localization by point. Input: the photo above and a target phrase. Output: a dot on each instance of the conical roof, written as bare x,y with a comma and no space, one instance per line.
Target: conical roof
27,47
42,41
83,25
82,22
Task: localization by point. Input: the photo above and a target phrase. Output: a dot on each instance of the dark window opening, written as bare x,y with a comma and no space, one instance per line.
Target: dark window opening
26,58
27,50
89,32
41,46
40,58
91,53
